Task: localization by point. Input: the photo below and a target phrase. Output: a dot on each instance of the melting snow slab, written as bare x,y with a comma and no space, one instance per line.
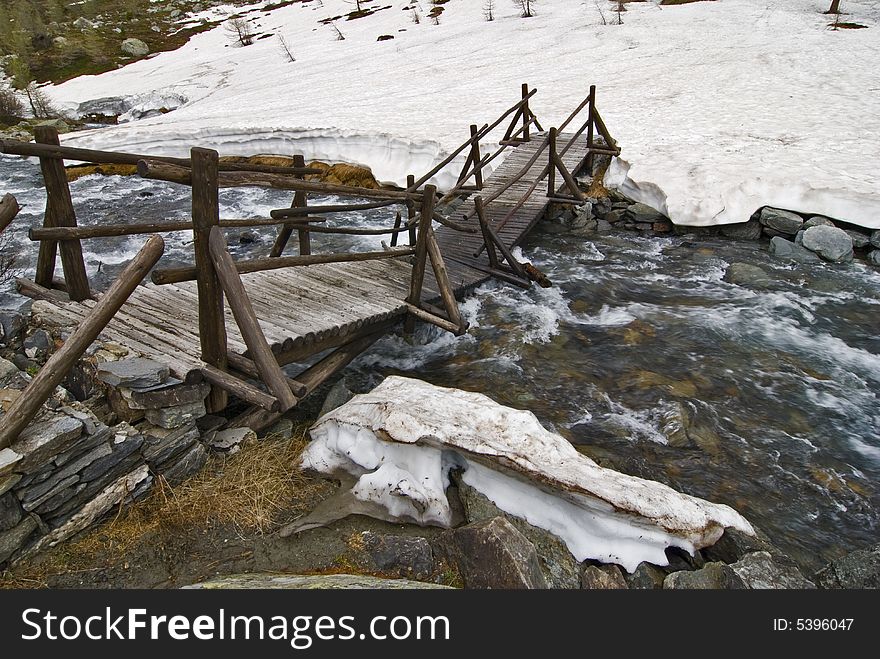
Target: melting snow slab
400,441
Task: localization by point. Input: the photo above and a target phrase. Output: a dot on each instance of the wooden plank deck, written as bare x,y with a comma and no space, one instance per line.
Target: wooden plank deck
303,306
458,248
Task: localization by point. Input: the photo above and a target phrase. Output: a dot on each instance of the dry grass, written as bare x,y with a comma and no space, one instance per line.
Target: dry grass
79,171
253,492
597,188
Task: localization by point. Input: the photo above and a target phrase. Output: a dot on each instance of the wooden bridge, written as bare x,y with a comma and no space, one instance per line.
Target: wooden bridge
281,310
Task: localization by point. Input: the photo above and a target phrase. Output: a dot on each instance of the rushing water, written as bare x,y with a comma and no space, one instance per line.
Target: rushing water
641,355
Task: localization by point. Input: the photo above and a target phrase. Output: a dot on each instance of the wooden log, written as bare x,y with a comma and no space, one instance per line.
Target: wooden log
398,220
249,368
37,292
26,406
177,275
243,311
175,174
488,243
575,112
421,314
498,272
240,389
421,252
284,233
442,279
312,345
411,211
551,175
526,115
448,159
206,215
59,213
566,175
8,210
331,208
475,157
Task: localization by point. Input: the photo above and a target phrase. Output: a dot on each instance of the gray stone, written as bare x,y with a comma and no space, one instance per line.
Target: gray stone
559,567
602,577
119,451
74,466
191,462
58,124
49,507
785,249
831,243
174,417
132,372
282,429
714,576
874,257
817,221
734,545
759,571
399,555
228,440
646,577
858,569
60,42
135,47
210,422
745,274
875,238
615,216
9,459
493,554
8,371
783,221
40,442
83,446
14,539
12,323
799,238
37,344
174,396
33,495
750,230
8,482
603,225
248,237
10,511
859,239
311,582
162,445
83,23
338,395
642,213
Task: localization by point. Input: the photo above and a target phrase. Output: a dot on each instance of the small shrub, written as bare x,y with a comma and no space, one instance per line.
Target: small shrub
10,104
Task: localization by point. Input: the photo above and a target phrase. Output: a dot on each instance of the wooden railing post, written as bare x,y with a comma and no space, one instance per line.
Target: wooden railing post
411,210
551,175
591,119
475,157
421,255
300,200
206,214
526,112
59,213
59,364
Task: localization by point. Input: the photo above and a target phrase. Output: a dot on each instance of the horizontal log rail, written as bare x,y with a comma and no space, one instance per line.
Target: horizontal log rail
171,173
281,213
177,275
27,149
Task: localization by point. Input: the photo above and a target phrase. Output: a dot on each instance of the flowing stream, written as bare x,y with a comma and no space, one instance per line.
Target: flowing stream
764,398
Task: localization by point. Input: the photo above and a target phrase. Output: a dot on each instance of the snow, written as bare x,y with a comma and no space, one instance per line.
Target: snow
720,107
402,439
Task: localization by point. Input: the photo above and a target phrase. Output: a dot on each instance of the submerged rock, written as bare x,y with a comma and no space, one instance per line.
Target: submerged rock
746,274
859,569
401,440
831,243
785,249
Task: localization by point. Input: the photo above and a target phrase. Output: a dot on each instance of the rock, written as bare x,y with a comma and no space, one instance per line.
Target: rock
831,243
799,238
858,569
859,239
282,429
338,395
8,372
119,451
174,13
400,555
750,230
83,23
133,372
8,482
311,582
74,466
33,495
37,344
135,47
759,571
642,213
875,238
14,539
174,417
10,512
83,446
210,422
108,498
248,237
662,227
785,222
12,324
60,42
745,274
603,225
161,445
493,554
58,124
602,577
734,545
173,396
22,363
40,442
559,567
817,221
615,216
713,576
191,462
874,257
646,577
228,441
8,460
785,249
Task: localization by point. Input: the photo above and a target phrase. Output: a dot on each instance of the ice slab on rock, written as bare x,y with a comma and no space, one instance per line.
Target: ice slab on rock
401,440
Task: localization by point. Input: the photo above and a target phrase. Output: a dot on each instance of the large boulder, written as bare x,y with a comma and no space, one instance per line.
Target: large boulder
859,569
780,220
759,571
875,239
135,48
642,213
785,249
713,576
745,274
874,257
493,554
859,239
750,230
818,221
602,577
831,243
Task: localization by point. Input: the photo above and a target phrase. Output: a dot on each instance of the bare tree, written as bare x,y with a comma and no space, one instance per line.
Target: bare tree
602,18
285,49
339,35
416,18
489,10
240,30
525,7
619,10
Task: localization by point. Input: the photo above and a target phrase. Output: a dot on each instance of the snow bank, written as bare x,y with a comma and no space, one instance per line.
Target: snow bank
402,439
720,107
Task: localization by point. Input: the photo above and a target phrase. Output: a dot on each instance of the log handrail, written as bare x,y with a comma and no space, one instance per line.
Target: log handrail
9,208
26,406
